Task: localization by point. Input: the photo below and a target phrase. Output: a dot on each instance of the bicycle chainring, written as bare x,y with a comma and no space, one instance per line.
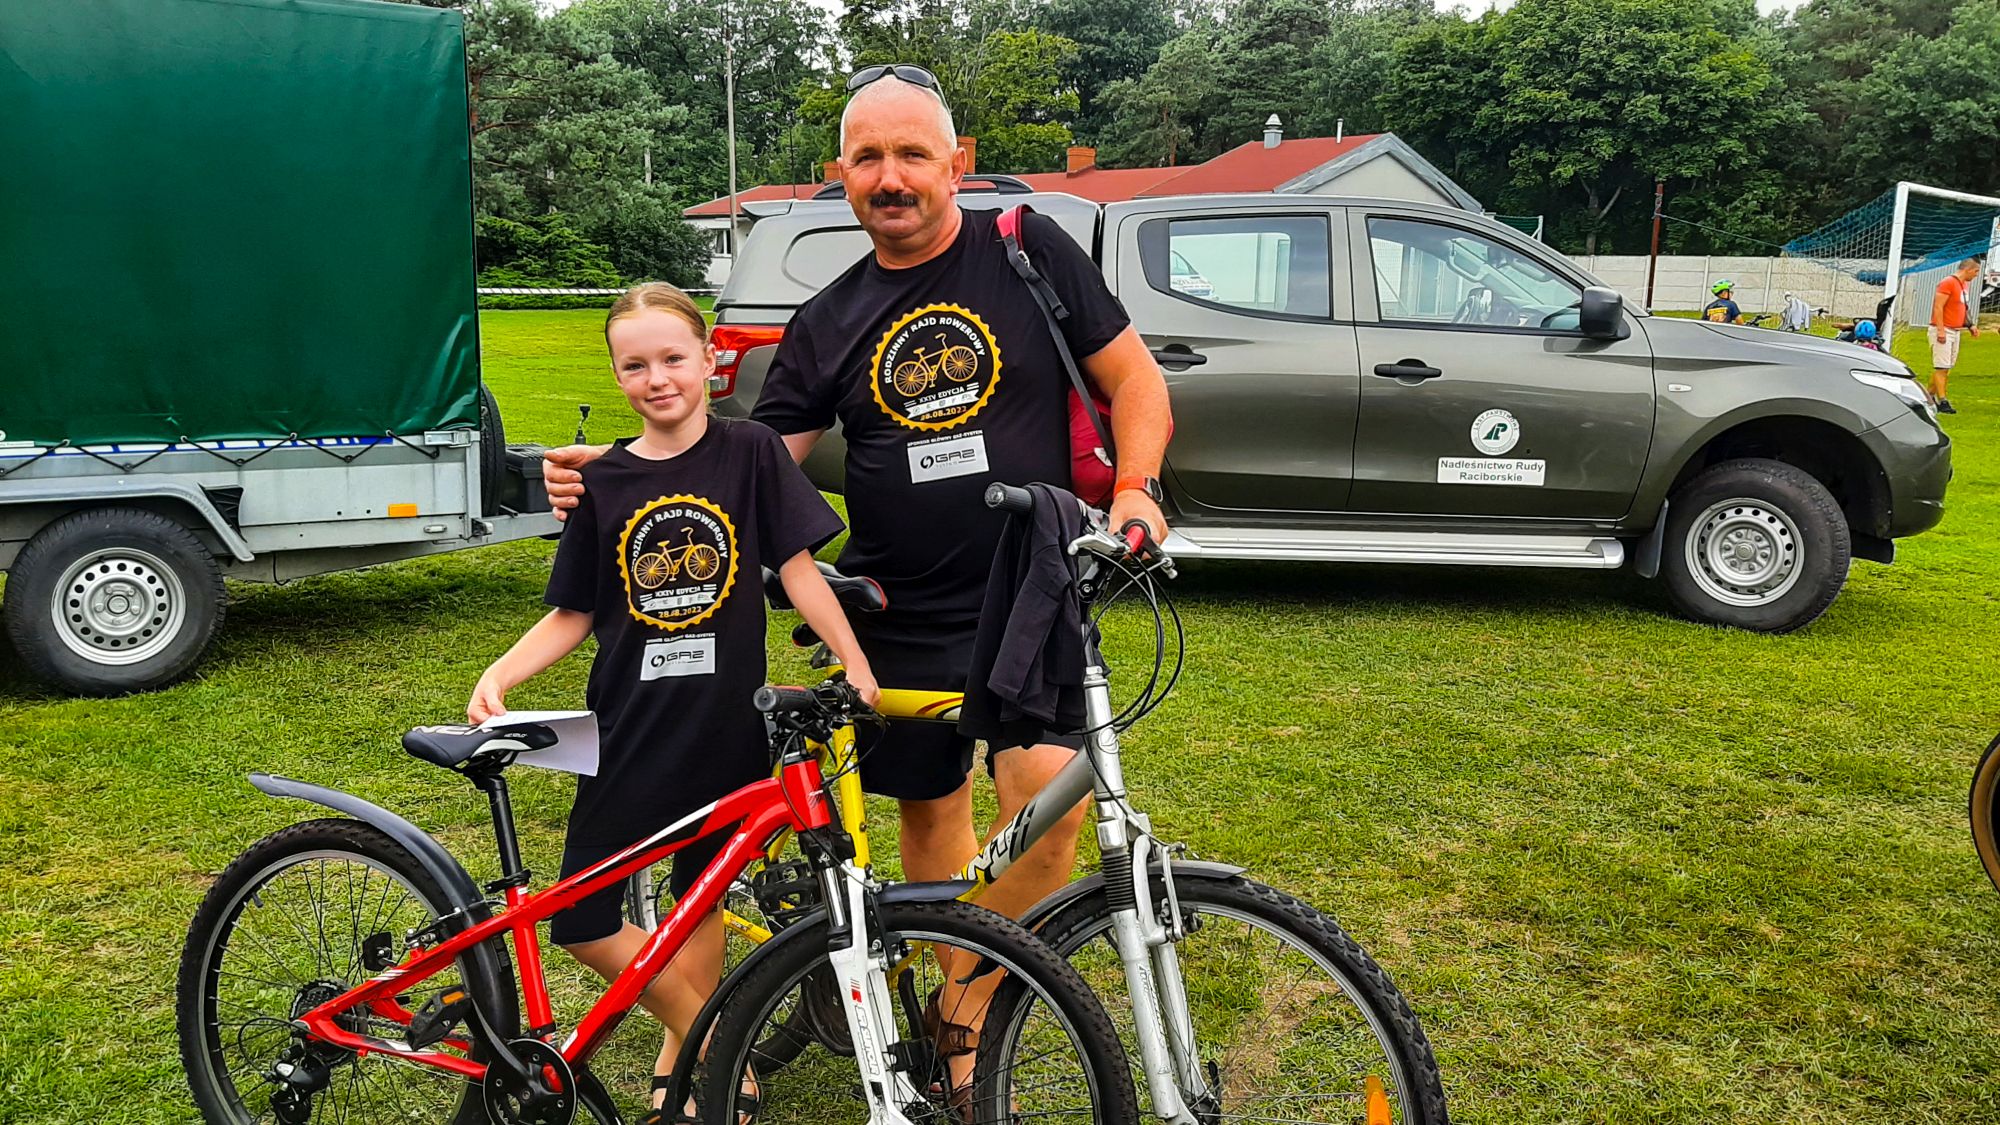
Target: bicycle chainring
546,1097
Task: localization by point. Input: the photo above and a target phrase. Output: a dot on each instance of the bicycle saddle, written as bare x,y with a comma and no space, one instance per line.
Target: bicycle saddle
861,593
452,745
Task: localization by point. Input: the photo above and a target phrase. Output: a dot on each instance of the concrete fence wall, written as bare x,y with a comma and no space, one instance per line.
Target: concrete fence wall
1761,283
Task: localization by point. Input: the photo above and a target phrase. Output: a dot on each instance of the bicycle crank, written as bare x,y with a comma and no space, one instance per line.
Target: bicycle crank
547,1096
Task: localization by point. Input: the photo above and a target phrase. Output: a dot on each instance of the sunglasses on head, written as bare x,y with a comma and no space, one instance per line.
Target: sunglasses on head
914,75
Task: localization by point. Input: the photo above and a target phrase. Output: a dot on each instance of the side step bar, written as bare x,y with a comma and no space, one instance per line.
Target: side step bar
1588,552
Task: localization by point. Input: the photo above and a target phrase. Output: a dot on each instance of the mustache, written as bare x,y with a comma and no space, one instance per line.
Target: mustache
892,199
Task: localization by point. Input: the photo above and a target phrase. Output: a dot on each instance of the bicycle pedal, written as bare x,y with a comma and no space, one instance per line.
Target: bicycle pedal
438,1016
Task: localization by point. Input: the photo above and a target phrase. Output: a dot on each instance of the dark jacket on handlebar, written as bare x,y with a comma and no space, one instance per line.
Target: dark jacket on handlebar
1027,659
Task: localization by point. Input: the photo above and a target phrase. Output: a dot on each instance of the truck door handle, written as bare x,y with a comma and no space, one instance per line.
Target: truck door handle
1179,355
1407,369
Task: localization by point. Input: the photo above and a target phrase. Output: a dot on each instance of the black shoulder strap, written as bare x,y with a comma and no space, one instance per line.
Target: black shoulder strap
1054,313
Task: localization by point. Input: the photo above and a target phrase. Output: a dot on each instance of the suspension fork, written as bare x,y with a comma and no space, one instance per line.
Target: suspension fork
860,965
1145,947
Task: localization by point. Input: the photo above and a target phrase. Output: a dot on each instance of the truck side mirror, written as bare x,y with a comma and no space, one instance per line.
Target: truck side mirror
1601,314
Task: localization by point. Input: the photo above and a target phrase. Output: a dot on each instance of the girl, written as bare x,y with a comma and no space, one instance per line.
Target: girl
660,562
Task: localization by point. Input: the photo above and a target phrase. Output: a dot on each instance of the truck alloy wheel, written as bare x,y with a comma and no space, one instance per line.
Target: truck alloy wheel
1757,544
112,600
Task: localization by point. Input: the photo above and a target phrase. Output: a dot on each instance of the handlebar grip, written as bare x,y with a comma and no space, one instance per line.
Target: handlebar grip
1008,498
772,699
1138,539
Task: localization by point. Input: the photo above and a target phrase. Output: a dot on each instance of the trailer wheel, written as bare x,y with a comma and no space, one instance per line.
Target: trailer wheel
113,600
492,452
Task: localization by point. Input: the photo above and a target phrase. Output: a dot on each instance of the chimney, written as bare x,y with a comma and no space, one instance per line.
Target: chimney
1081,158
829,171
1274,131
971,147
1339,129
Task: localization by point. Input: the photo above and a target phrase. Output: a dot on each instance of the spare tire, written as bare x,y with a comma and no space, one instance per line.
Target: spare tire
492,452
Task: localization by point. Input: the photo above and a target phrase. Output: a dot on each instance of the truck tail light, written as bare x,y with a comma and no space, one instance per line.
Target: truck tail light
733,342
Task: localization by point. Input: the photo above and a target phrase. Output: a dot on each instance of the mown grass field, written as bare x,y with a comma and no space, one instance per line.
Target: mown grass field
1626,868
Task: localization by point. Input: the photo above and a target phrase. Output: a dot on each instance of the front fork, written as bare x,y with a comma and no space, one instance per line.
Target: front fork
1145,936
861,972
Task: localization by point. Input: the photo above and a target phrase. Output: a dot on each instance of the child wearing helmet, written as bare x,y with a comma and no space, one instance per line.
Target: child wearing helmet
1722,310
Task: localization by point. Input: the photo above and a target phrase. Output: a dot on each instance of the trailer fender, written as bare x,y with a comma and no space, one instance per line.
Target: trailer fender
60,491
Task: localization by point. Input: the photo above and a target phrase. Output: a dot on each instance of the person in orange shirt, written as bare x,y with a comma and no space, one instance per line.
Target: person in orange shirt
1950,312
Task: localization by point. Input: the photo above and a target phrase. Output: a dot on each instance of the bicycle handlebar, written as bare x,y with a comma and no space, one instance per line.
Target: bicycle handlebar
1009,498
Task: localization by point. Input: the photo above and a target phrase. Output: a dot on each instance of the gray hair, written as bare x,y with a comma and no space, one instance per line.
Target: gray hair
884,87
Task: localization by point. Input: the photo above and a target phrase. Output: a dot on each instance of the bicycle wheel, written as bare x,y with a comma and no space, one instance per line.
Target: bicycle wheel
1293,1021
912,378
1985,807
651,569
295,921
1052,1052
703,562
959,362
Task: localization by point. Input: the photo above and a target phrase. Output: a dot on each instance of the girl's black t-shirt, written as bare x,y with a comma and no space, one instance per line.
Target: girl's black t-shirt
944,378
665,555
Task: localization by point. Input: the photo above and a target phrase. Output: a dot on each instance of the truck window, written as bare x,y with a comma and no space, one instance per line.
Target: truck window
1263,263
1430,273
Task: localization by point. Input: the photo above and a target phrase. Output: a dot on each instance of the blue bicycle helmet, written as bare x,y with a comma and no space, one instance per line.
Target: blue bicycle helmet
1864,330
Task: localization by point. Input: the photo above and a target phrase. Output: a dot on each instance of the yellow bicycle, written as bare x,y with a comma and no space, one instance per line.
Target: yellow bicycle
955,362
656,568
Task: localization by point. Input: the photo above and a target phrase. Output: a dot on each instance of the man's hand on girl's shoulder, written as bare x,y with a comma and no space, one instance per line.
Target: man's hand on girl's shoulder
562,474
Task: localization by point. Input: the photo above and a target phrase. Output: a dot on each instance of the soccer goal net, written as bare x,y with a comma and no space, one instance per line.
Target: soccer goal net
1902,243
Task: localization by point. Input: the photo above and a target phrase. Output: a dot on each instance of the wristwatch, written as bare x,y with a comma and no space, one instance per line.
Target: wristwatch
1148,485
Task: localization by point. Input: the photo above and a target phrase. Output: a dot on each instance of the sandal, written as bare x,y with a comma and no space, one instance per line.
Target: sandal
748,1104
950,1040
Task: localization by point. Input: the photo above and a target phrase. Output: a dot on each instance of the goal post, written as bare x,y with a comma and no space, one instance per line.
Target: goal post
1939,259
1904,241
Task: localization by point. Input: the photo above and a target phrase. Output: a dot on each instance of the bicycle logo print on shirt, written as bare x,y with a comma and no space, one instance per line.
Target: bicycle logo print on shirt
677,557
935,367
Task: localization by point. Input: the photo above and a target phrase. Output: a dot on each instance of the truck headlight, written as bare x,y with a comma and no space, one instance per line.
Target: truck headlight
1903,388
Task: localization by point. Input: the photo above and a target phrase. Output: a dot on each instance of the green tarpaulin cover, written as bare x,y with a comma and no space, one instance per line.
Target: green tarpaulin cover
233,218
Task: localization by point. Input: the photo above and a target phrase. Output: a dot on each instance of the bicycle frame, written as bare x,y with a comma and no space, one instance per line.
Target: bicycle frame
792,801
1145,942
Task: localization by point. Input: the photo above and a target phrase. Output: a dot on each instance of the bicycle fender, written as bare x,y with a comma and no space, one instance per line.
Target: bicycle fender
436,862
440,865
1054,904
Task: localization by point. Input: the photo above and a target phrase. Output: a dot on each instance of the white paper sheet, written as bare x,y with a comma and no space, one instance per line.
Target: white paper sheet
575,750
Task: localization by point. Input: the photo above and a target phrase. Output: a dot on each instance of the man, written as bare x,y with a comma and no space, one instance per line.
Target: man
1722,310
933,345
1951,310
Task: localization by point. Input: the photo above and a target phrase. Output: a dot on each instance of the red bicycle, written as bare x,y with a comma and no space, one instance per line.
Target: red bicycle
349,970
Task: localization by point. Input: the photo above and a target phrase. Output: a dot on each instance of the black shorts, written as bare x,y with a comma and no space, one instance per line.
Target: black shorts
601,915
918,761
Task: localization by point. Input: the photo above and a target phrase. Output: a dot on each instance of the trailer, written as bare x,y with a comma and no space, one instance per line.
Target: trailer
240,333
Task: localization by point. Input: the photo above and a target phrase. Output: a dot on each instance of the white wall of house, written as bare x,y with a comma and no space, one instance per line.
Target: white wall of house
1383,177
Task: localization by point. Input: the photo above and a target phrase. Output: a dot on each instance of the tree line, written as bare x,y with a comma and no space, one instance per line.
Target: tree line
595,123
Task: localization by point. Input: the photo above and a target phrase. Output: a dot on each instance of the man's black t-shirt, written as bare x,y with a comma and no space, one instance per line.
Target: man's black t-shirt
665,555
944,378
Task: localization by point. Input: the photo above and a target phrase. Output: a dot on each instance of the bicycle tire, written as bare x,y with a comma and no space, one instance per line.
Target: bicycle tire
1984,807
1413,1082
912,379
1036,979
249,880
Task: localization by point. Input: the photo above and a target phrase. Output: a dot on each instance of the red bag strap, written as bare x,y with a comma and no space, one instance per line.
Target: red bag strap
1053,313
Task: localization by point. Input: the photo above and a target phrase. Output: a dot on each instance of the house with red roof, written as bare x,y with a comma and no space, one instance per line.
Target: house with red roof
1370,164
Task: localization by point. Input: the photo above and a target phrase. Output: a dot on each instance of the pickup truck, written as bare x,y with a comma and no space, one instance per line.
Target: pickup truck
241,332
1376,380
